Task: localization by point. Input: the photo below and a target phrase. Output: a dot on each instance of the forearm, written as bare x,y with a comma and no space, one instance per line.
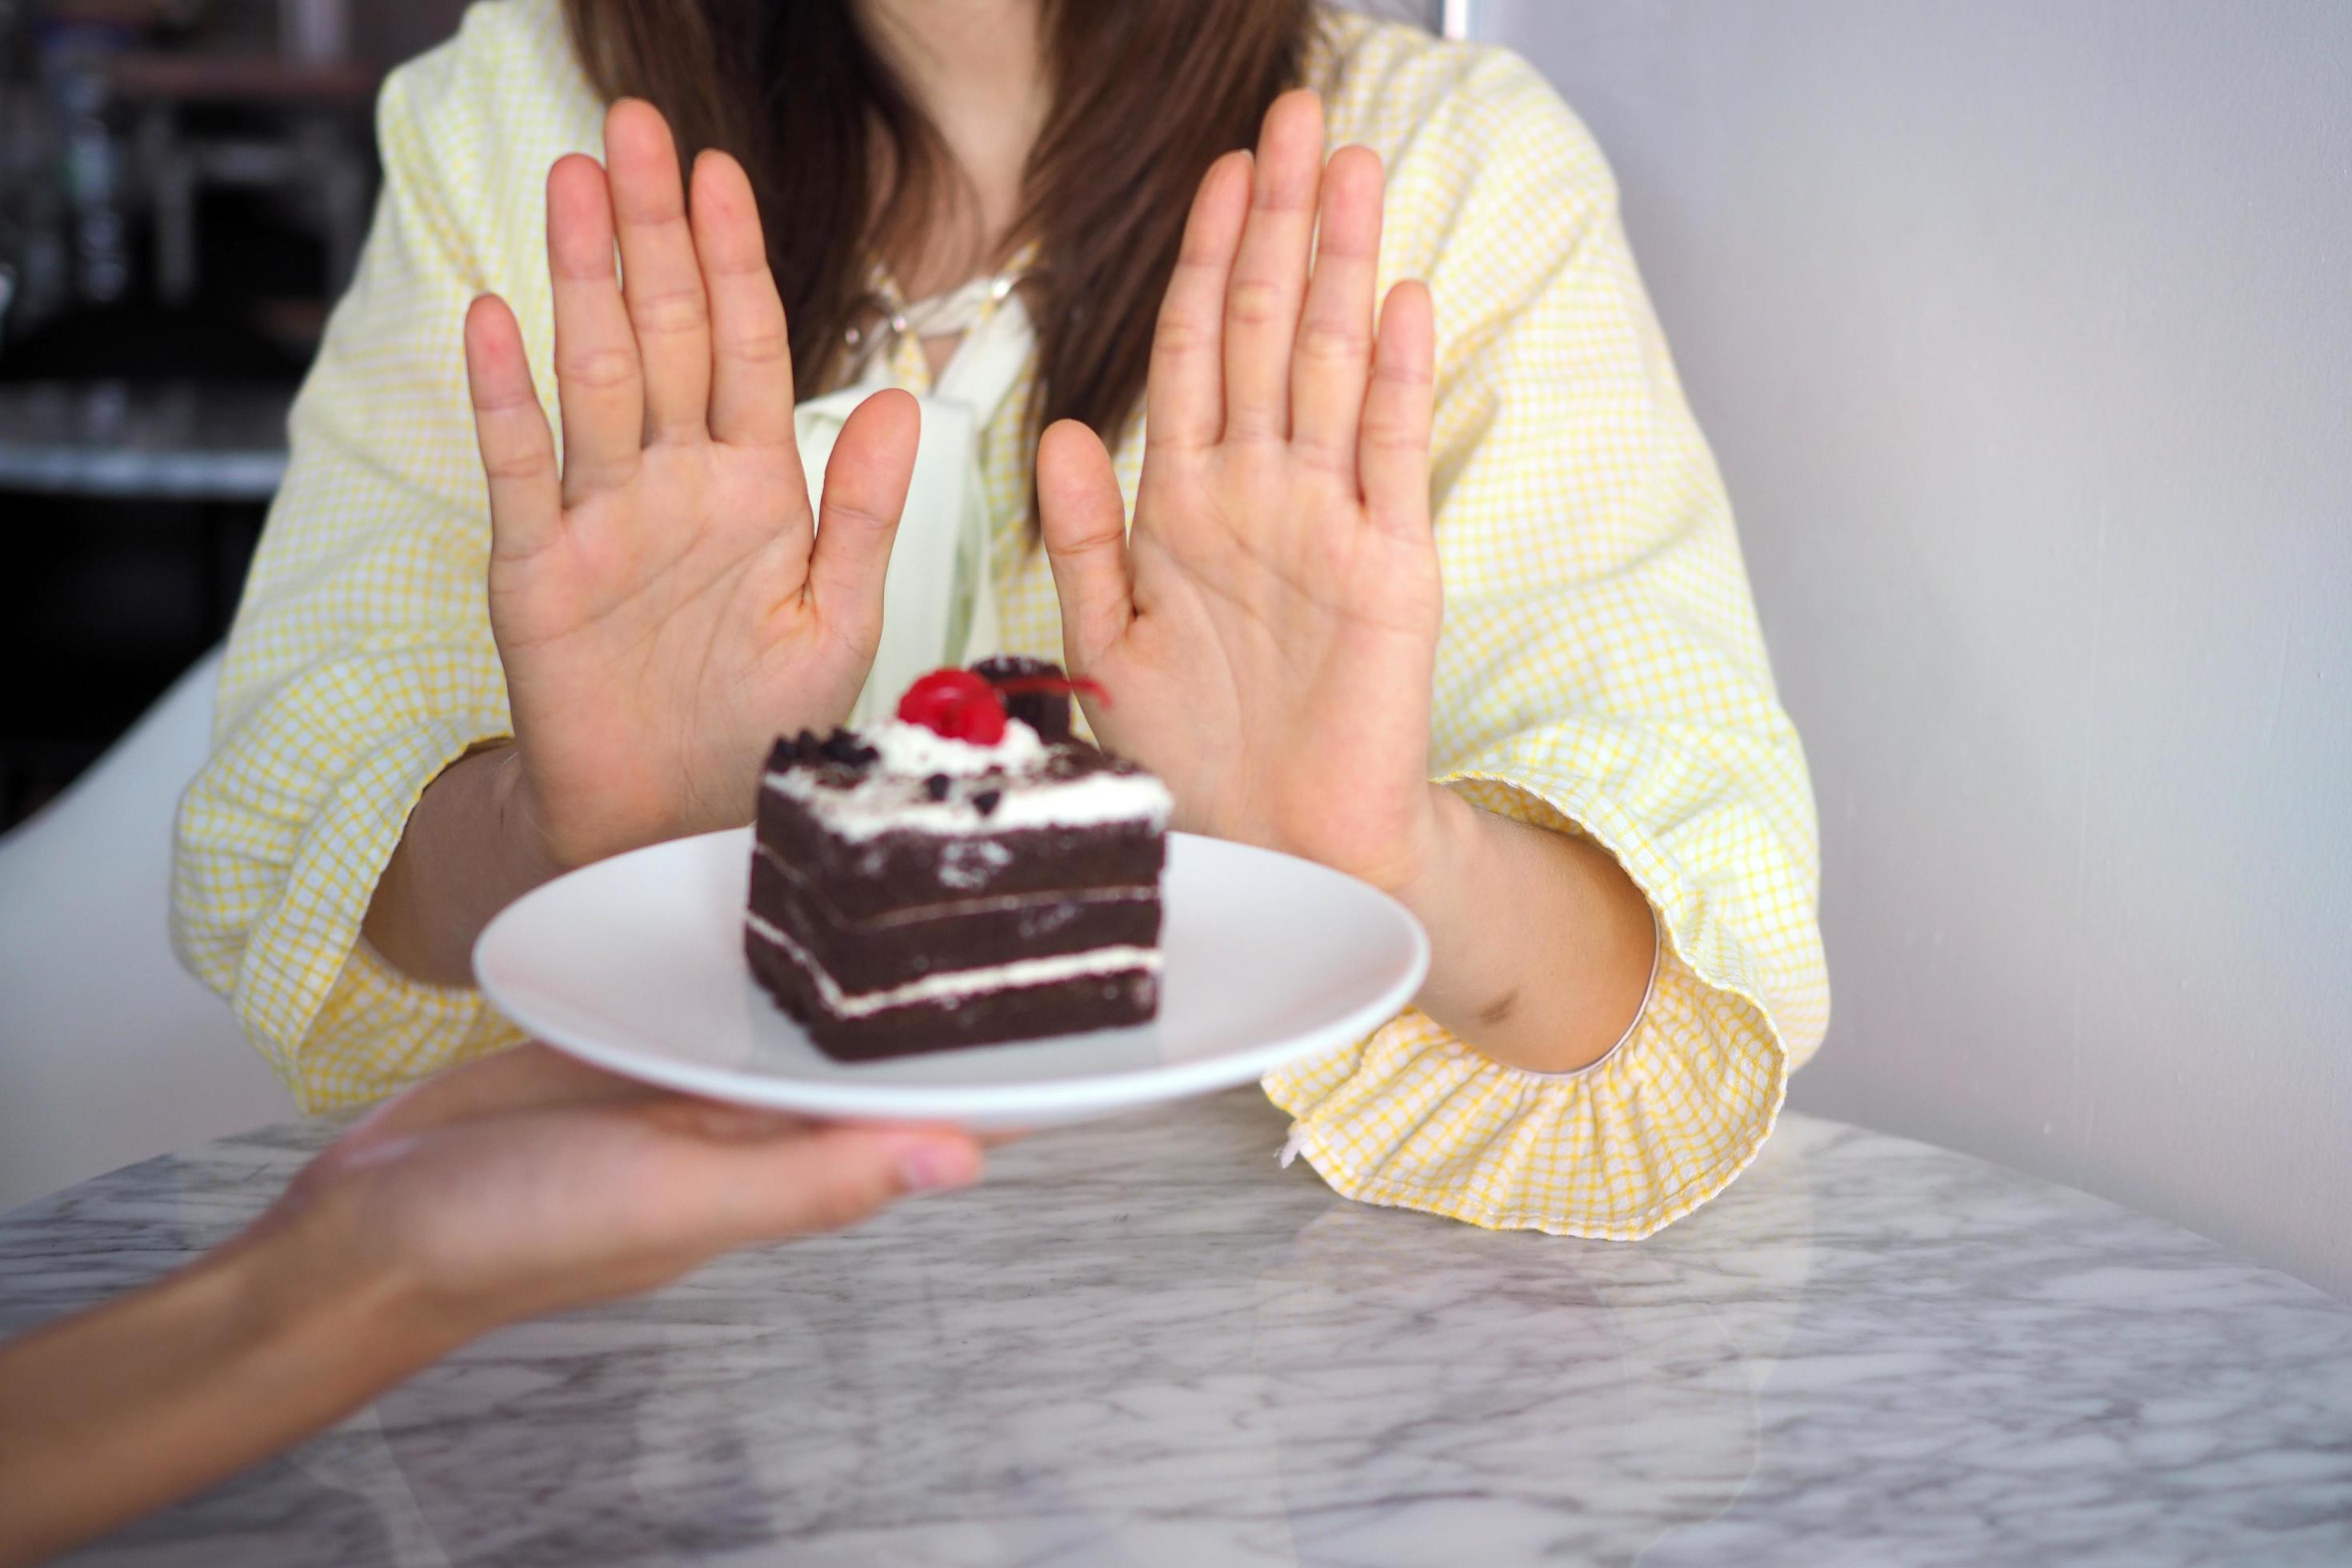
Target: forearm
1541,947
124,1409
467,853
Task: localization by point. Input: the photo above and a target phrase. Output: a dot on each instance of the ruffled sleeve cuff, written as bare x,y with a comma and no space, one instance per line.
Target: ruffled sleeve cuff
380,1031
340,1025
1413,1118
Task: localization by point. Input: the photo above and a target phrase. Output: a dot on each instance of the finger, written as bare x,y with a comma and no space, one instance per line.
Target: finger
598,383
1392,457
1333,359
1084,521
1270,270
518,451
660,278
720,1120
751,353
530,1077
821,1180
865,494
1184,398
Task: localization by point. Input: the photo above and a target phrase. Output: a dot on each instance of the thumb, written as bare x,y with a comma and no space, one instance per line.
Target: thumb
1084,522
865,482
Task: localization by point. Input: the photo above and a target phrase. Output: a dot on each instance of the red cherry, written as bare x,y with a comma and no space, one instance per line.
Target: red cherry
957,704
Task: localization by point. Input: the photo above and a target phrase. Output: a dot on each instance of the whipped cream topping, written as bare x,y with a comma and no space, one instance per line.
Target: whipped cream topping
894,795
914,749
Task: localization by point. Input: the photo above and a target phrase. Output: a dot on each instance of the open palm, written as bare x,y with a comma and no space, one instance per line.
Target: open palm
1269,633
666,604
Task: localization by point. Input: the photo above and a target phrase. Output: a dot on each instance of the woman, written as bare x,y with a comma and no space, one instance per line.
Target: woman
1616,860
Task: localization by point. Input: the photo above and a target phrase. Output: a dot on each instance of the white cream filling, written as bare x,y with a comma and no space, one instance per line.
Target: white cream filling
962,983
1000,903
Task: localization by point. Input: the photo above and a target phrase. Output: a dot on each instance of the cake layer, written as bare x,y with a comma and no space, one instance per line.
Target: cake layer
896,871
875,952
1117,987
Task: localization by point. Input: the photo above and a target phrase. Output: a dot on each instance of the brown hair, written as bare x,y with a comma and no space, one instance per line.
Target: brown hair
1148,94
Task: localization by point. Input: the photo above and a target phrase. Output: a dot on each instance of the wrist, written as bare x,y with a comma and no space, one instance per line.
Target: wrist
472,846
1442,847
532,851
313,1271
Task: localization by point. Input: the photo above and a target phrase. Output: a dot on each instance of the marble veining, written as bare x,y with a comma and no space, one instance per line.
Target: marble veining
1142,1343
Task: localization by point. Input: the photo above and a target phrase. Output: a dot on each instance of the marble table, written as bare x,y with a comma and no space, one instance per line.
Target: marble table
1143,1343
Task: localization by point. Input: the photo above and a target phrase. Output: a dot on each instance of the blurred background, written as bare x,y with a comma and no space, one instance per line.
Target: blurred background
184,187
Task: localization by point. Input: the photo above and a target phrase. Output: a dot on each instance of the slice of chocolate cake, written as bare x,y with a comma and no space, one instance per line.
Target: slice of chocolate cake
952,879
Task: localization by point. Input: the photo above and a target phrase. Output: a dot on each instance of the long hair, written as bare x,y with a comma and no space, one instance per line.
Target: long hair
1147,95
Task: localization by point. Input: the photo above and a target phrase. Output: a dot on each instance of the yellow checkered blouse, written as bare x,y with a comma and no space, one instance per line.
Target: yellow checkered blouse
1602,670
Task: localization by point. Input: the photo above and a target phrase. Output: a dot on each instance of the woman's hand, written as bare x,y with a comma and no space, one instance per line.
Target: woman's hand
529,1183
1268,636
665,605
1269,633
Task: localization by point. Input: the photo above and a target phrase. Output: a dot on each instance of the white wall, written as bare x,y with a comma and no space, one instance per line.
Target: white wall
109,1052
2023,333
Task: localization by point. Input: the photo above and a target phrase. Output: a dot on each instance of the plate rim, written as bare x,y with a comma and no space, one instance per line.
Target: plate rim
984,1105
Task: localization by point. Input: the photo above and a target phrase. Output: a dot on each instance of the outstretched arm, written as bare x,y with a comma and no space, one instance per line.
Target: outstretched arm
522,1184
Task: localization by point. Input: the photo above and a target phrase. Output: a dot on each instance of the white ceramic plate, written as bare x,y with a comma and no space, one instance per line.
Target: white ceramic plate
636,964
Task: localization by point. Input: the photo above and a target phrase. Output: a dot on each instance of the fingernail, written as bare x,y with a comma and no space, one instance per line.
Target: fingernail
937,1167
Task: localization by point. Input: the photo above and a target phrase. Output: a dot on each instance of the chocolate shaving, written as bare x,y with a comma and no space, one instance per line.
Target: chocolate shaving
843,746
